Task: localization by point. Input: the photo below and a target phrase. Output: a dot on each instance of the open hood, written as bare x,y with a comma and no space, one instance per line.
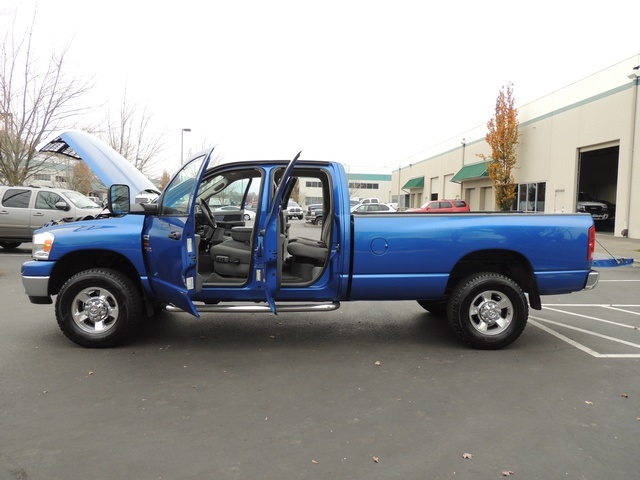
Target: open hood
107,164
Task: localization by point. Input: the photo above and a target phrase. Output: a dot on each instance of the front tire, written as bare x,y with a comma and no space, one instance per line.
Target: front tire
98,308
488,310
10,245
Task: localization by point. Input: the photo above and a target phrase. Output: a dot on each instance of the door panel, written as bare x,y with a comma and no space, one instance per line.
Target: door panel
171,244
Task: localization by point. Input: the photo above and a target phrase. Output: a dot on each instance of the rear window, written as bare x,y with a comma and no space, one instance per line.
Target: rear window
16,198
460,203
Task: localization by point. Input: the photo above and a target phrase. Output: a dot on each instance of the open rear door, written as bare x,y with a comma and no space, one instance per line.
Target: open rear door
273,236
170,242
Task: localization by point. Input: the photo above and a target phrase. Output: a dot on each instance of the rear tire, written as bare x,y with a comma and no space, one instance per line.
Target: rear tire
488,310
10,245
98,308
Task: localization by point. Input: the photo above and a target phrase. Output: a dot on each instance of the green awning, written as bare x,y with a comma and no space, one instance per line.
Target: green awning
417,182
471,172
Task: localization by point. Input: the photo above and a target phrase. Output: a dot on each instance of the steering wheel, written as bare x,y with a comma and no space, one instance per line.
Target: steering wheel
206,213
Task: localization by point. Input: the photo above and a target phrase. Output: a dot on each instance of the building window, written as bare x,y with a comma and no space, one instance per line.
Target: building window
363,186
61,179
314,184
43,177
531,197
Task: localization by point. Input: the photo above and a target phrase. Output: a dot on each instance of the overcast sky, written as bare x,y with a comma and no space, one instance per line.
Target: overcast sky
367,83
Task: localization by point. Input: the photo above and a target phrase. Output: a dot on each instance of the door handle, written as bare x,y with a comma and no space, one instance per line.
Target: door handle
175,235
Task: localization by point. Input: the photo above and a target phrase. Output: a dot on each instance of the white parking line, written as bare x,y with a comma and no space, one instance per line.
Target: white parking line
589,305
580,346
595,319
618,281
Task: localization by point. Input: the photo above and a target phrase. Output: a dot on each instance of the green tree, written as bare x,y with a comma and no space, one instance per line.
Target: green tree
502,137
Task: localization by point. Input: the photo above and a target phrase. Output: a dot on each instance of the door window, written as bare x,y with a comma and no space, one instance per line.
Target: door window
177,196
47,200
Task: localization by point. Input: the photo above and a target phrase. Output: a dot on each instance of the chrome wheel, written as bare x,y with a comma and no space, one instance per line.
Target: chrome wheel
491,312
95,310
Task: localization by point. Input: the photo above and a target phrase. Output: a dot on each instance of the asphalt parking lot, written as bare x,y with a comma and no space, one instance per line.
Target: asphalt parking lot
371,391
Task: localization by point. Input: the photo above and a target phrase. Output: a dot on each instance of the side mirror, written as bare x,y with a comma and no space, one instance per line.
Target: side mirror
61,205
119,199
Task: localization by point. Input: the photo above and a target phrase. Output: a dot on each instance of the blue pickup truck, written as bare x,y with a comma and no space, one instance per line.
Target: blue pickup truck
482,270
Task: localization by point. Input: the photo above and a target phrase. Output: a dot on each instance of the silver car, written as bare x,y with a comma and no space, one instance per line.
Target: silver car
25,209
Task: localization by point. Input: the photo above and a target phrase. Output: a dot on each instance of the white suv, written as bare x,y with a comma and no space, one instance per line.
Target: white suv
25,209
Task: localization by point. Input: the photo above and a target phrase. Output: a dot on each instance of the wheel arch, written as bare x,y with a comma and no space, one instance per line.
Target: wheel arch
77,261
505,262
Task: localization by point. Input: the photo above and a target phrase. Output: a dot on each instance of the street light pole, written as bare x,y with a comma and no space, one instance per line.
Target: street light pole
182,144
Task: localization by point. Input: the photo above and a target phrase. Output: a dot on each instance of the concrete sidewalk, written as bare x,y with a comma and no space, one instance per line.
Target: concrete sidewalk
606,243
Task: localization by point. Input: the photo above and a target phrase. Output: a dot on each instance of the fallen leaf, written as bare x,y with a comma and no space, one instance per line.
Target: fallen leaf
314,462
588,402
624,395
467,455
90,373
377,362
507,473
376,459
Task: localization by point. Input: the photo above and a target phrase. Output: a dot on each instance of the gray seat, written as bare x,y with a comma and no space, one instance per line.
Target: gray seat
310,248
233,256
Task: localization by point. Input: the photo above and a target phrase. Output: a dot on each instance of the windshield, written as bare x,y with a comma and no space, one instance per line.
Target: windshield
79,200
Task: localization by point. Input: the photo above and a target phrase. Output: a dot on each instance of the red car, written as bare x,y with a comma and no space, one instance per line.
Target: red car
442,206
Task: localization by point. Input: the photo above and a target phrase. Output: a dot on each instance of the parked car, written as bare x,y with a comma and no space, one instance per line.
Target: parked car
372,208
246,213
587,204
294,210
315,214
442,206
25,209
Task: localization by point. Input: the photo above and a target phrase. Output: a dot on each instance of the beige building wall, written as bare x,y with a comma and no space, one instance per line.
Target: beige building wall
598,112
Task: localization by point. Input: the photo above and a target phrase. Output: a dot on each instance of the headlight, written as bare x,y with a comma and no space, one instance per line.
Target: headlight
42,243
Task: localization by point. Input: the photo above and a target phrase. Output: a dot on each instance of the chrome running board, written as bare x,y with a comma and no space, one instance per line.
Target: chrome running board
261,308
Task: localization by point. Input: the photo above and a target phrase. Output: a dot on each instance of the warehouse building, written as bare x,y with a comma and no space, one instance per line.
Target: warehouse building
579,143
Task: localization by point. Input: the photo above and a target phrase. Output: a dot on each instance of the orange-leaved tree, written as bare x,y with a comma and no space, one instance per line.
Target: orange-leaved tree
502,137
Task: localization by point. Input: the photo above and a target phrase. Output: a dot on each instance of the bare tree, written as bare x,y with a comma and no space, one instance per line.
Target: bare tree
38,97
131,136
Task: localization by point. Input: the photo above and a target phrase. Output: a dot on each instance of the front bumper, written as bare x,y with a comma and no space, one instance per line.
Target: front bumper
35,280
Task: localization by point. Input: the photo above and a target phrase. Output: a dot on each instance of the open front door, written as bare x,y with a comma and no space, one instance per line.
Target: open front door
170,243
273,236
